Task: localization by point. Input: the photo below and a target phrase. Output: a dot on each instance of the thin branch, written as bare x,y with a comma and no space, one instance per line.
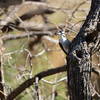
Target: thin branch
54,82
24,35
30,81
36,88
76,9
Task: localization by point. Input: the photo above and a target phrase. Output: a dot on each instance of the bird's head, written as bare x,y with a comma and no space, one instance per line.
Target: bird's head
61,33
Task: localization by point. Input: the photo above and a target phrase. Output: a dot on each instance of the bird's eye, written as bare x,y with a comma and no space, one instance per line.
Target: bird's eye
60,31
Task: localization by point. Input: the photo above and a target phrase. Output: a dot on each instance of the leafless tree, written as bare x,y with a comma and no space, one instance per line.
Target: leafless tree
79,67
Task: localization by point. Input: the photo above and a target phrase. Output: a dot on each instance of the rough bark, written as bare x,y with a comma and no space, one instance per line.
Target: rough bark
80,50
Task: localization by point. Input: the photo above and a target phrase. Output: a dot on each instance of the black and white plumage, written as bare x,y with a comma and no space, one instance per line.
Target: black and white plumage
63,41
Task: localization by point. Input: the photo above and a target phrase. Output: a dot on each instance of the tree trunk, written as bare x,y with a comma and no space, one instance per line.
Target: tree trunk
80,50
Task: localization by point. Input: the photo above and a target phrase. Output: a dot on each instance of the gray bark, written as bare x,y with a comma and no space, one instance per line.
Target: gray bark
80,50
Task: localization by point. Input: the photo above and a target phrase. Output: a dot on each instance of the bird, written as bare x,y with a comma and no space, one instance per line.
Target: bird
63,41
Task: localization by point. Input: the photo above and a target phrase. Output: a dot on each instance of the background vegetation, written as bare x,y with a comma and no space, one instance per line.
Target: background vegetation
23,58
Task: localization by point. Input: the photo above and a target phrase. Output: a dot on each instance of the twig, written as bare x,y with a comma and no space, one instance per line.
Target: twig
36,88
55,82
75,10
54,90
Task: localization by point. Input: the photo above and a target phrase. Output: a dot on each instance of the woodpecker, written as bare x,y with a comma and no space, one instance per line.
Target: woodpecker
63,41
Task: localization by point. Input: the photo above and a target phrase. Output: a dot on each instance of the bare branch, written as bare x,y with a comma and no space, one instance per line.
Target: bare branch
24,35
30,81
55,82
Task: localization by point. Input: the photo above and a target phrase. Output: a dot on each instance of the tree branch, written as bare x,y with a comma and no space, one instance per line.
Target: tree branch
24,35
30,82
